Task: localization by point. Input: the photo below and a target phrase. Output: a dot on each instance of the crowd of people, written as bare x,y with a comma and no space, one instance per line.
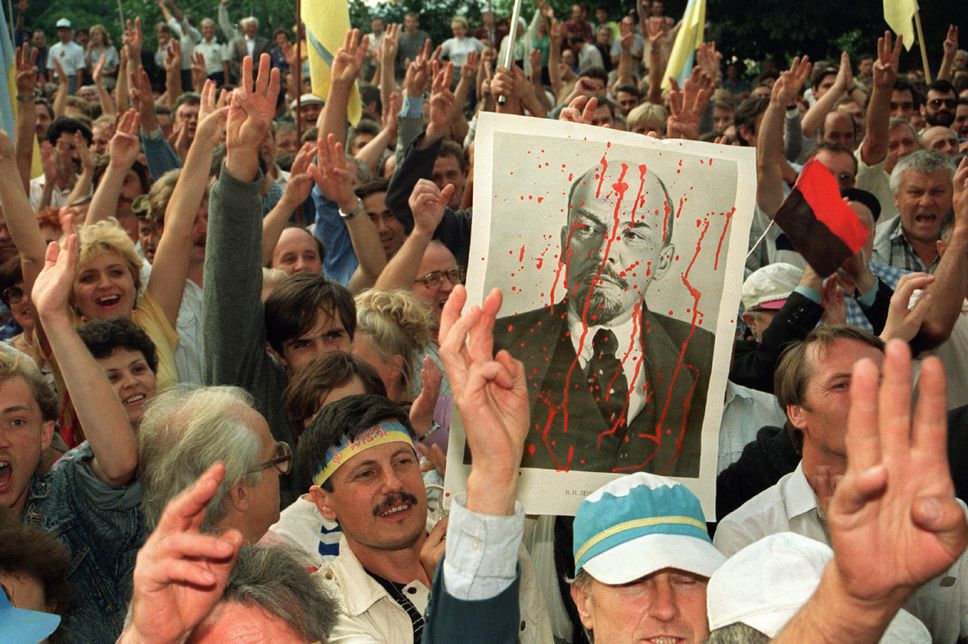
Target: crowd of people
235,331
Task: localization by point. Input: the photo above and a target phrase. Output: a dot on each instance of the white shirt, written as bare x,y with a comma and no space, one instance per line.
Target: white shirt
791,506
70,55
302,525
250,45
211,50
629,352
745,412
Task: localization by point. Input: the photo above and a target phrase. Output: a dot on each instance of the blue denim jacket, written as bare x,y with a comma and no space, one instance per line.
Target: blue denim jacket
103,529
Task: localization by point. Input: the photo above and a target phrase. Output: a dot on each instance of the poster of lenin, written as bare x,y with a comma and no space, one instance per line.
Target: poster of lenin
620,258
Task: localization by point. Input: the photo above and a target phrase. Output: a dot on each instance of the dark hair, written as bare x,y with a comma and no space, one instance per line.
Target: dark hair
864,197
453,149
140,169
365,126
188,98
11,274
943,86
65,124
278,31
836,148
628,88
595,72
903,84
321,375
821,70
104,337
370,187
291,309
746,114
349,417
27,550
371,94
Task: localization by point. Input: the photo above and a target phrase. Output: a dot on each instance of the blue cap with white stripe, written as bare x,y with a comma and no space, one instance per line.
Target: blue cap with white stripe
639,524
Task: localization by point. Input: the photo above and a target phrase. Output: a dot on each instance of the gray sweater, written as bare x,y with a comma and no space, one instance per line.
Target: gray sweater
235,330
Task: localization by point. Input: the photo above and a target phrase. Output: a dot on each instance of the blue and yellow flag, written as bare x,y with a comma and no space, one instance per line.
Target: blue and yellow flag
899,16
8,92
690,36
327,22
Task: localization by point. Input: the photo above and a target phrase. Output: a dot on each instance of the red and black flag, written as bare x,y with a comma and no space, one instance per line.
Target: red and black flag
821,227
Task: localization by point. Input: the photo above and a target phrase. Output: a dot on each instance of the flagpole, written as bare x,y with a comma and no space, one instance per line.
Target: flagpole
512,36
924,52
297,73
121,14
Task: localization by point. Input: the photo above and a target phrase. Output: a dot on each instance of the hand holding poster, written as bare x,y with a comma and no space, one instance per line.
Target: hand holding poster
620,258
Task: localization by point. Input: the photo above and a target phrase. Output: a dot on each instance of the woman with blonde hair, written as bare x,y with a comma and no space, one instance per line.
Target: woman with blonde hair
392,335
647,118
99,44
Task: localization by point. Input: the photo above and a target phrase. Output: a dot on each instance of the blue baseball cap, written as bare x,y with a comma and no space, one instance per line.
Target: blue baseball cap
22,626
639,524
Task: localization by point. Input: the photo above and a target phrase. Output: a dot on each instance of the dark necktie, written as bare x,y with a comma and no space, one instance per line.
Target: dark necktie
606,378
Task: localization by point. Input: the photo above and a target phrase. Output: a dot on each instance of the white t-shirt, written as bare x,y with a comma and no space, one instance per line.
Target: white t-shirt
70,56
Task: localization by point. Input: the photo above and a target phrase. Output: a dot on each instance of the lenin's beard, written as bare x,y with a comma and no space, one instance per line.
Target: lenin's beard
604,302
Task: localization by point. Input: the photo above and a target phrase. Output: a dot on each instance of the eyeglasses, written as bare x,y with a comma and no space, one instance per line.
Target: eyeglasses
947,102
434,279
13,294
282,460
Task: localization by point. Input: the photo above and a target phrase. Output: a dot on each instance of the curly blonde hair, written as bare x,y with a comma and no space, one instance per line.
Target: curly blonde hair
399,325
109,237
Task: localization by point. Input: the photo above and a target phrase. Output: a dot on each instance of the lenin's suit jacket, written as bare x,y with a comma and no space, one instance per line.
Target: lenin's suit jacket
664,438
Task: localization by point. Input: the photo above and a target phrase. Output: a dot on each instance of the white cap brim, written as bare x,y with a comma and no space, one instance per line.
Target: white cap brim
650,553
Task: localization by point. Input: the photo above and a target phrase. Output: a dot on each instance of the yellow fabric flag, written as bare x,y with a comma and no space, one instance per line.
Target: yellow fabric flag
899,15
688,39
327,22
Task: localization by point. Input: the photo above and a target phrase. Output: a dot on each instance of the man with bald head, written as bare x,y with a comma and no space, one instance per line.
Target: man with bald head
940,138
838,128
613,385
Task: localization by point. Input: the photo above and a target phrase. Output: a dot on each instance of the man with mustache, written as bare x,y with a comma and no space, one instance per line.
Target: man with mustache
614,387
357,458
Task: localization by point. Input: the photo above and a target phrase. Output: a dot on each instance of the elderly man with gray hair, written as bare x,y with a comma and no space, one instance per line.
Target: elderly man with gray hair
922,187
186,430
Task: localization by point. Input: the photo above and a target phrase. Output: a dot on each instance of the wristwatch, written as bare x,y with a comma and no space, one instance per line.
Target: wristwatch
357,209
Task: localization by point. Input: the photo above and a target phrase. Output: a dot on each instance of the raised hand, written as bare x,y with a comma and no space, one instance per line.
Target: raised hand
26,70
686,106
349,58
390,44
335,181
391,114
132,39
300,182
832,301
253,106
788,84
98,72
950,44
7,152
181,572
211,119
709,59
173,58
428,203
418,72
580,110
59,70
443,105
141,98
894,520
845,75
85,152
888,59
655,30
124,147
904,323
422,409
53,287
198,71
491,397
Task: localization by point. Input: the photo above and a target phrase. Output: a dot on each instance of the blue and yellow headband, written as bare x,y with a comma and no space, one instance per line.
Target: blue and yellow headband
379,434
